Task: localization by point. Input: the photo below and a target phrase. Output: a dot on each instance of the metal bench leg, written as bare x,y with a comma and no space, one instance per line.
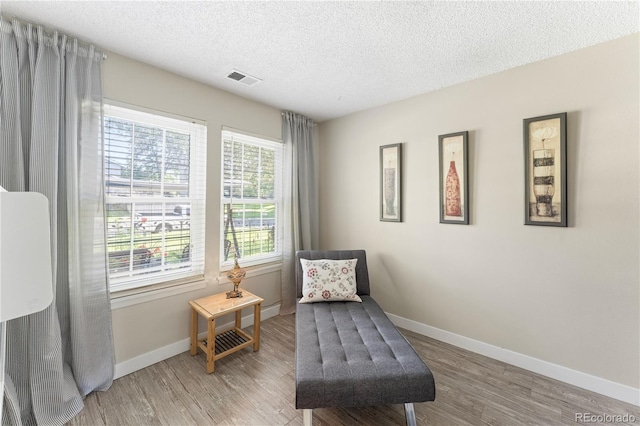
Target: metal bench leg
410,414
307,417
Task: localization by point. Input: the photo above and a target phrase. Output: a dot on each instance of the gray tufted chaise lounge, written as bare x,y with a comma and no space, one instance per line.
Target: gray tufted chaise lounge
349,354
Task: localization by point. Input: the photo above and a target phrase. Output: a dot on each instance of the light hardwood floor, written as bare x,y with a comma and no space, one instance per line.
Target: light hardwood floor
257,388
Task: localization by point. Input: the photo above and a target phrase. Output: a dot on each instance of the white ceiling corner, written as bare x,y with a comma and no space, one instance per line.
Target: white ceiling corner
329,59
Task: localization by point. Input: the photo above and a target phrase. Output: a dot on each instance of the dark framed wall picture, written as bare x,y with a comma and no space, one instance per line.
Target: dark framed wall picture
545,152
454,181
391,183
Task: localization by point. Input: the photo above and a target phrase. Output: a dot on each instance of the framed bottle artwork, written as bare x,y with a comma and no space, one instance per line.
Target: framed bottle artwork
391,183
545,153
454,178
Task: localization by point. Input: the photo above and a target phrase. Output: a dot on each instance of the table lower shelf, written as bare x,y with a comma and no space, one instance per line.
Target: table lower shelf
227,343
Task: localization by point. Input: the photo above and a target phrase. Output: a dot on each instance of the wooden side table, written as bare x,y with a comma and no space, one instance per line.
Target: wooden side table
219,345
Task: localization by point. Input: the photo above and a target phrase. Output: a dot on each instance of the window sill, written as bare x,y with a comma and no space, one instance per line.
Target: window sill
124,298
252,271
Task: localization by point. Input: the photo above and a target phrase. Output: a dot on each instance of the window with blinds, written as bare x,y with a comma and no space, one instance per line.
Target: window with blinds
251,199
155,173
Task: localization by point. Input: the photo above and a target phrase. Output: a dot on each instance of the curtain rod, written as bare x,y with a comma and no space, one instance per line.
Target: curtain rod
314,123
49,31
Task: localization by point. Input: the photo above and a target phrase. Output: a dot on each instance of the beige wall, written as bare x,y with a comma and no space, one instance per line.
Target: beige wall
146,327
569,296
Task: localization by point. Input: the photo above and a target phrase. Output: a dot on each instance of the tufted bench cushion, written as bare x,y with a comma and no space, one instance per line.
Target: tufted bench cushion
350,354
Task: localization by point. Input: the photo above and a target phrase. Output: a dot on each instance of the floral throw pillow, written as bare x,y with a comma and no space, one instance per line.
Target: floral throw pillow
326,280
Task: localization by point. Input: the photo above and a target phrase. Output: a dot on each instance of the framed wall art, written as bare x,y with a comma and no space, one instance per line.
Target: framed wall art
391,183
545,153
454,181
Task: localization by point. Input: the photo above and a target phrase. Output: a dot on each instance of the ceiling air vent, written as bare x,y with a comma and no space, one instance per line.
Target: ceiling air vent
243,78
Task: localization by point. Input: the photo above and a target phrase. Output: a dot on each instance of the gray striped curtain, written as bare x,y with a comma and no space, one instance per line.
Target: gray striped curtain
301,216
50,142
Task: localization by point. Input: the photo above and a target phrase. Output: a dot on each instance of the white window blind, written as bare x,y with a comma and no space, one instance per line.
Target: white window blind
251,199
155,174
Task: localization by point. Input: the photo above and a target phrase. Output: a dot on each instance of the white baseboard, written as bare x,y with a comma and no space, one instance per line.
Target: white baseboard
583,380
138,363
577,378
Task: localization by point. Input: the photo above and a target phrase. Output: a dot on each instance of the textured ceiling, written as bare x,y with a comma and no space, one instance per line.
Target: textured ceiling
329,59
